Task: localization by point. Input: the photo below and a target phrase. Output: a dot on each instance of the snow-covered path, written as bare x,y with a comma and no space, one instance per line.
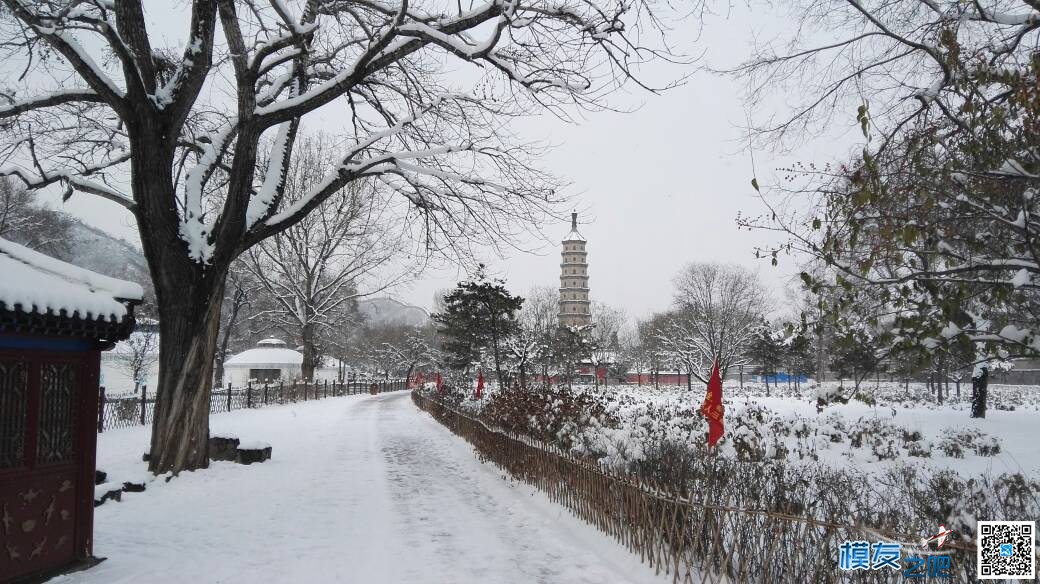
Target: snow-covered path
364,490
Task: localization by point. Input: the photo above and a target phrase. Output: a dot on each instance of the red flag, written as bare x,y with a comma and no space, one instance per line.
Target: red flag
440,383
480,384
712,407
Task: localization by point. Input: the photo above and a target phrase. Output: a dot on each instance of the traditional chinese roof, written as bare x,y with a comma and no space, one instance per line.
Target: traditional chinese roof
42,295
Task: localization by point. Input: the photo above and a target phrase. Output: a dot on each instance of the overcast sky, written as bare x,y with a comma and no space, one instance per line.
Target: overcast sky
658,187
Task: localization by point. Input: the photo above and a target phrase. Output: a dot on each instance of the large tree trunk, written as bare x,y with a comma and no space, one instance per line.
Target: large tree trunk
309,352
188,340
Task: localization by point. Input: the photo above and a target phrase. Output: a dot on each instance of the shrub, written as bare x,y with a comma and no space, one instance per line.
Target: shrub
955,443
548,416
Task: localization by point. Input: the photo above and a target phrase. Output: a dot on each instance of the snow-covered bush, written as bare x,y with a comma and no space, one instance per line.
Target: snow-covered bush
554,416
772,461
956,442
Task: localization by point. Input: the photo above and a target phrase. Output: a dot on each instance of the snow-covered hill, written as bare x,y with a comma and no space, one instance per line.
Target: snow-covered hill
100,252
389,311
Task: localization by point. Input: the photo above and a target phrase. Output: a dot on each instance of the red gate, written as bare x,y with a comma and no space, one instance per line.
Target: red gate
48,410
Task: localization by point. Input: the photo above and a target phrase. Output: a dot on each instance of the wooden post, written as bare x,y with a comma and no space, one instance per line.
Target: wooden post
229,396
101,410
144,401
326,387
281,391
249,394
265,393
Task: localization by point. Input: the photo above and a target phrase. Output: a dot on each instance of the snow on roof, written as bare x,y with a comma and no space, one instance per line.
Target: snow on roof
34,282
267,356
269,342
574,236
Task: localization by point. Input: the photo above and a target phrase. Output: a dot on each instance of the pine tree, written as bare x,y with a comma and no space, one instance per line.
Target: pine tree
766,349
479,315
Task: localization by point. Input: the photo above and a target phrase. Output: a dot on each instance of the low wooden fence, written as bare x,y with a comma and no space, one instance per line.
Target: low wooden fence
694,542
138,410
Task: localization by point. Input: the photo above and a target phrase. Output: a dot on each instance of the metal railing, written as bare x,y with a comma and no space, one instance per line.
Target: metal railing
126,411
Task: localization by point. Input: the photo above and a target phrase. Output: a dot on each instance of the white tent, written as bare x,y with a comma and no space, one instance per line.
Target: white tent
272,361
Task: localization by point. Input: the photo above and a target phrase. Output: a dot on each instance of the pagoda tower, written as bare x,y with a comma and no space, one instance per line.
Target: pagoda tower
574,279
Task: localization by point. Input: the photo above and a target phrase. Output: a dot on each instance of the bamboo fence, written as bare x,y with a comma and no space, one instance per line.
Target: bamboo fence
691,541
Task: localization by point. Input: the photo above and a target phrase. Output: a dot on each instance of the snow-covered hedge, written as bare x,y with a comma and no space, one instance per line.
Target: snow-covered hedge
870,468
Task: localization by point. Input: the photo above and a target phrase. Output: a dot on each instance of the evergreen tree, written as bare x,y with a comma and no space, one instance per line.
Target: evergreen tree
766,348
856,354
571,346
479,315
800,356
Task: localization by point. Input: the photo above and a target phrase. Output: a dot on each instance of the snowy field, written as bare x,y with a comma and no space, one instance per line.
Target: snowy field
882,424
359,489
884,427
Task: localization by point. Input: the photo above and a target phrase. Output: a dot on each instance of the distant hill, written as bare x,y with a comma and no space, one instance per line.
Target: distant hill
389,311
98,251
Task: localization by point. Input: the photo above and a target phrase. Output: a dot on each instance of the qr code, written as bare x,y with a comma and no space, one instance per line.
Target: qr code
1006,550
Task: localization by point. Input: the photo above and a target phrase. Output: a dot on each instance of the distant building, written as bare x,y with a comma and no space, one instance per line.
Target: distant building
271,361
574,279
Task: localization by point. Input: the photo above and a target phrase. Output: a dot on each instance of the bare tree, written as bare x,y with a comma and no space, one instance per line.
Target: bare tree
894,62
173,134
539,324
141,350
929,235
604,343
312,271
716,310
522,348
417,350
23,220
652,345
396,349
239,290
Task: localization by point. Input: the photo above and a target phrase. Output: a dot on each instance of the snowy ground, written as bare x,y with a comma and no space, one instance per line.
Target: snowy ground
359,489
1017,432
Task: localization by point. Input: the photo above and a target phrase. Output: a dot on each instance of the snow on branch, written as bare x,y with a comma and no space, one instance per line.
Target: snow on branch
51,99
74,180
194,229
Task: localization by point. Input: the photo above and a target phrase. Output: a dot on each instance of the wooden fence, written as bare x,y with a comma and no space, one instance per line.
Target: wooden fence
138,410
694,542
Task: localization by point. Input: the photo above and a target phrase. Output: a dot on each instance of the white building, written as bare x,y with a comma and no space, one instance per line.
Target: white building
272,361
